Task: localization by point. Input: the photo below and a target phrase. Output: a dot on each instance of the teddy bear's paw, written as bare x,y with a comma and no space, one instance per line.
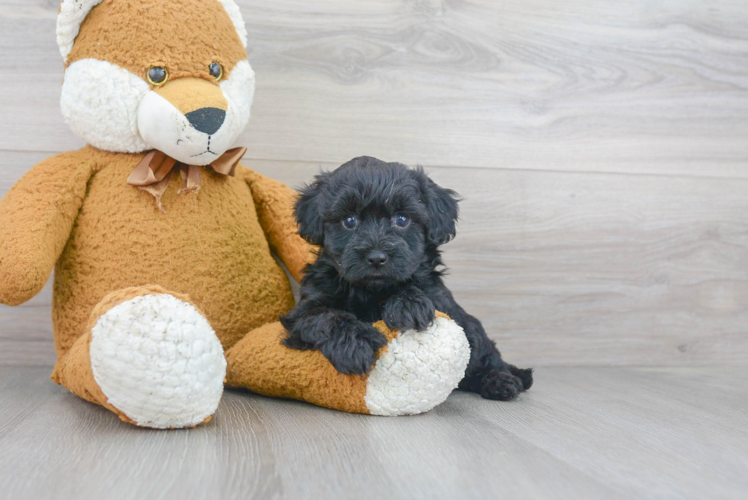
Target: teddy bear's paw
418,370
158,361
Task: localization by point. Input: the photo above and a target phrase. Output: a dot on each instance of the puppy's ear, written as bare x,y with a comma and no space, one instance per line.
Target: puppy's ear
441,205
308,210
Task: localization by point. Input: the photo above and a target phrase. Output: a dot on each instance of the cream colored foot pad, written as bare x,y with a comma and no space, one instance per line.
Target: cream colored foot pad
158,361
419,370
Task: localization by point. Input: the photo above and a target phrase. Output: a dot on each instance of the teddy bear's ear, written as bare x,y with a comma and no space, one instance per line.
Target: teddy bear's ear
73,12
442,208
309,208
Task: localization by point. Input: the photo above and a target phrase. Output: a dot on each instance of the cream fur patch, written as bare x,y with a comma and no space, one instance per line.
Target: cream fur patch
165,128
158,361
239,90
100,102
419,370
73,12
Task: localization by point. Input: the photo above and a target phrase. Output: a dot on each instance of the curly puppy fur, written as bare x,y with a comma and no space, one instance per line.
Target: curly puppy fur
379,226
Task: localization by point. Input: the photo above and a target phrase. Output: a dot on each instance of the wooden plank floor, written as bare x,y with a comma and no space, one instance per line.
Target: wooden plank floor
581,433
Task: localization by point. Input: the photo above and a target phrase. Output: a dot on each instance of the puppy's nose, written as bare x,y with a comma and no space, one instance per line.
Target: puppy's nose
207,120
376,258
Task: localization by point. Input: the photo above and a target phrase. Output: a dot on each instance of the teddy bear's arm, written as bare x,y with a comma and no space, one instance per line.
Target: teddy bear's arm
274,203
36,217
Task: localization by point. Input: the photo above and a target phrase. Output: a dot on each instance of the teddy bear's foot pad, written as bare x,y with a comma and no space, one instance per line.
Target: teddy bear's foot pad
158,361
418,370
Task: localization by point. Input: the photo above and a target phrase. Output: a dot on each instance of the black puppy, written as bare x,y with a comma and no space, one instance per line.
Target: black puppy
379,226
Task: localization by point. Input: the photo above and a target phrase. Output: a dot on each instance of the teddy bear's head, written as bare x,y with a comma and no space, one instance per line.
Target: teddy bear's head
170,75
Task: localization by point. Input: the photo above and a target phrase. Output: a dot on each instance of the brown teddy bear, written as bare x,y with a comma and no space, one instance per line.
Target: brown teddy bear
162,242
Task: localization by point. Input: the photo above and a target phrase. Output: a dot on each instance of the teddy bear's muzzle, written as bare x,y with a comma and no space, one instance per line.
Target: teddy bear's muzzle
189,119
200,101
192,94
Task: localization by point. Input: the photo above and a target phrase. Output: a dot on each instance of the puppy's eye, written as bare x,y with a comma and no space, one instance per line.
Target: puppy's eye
216,70
157,76
401,221
350,222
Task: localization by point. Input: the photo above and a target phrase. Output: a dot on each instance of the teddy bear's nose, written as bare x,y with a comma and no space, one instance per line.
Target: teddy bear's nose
207,120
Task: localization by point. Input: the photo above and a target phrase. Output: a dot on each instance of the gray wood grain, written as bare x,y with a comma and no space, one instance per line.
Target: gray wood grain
580,433
597,269
639,259
26,331
645,87
562,268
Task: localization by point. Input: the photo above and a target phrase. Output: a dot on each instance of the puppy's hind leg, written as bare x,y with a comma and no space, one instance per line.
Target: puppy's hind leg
524,374
488,374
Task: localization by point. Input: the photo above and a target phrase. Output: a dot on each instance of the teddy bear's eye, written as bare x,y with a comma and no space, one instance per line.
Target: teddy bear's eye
216,70
157,76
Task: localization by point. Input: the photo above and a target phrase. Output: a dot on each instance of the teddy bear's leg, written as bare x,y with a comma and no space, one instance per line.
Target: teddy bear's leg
413,373
149,356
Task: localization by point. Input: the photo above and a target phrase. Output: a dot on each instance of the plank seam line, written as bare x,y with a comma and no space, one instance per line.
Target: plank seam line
506,169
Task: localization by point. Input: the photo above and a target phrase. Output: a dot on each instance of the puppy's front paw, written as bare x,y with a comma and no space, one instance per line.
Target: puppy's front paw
352,349
408,313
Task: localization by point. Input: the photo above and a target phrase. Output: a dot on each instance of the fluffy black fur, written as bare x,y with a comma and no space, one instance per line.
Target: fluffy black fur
379,226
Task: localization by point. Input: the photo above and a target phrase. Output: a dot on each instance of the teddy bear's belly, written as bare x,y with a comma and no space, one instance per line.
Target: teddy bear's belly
209,245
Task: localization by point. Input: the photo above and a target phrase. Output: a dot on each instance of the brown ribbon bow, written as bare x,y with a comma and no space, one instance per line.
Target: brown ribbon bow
154,172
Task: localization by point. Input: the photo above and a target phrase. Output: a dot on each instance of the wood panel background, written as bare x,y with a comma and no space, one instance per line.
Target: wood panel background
601,149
